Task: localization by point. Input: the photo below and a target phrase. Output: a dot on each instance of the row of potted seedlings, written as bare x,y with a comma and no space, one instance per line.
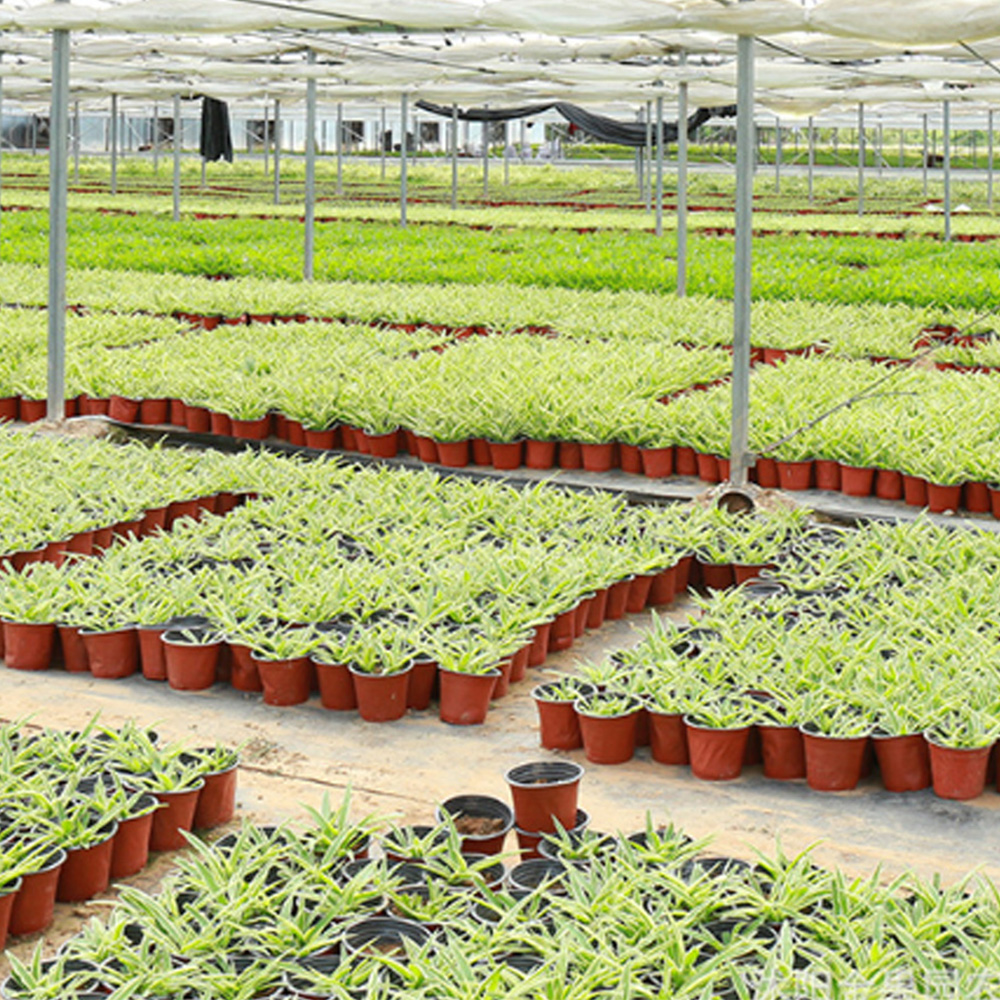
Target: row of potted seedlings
82,809
97,492
454,583
855,650
344,908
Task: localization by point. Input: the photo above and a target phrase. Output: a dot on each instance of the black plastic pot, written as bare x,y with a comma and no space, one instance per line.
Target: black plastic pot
716,867
384,936
529,876
403,873
299,981
718,932
478,807
400,851
90,986
553,847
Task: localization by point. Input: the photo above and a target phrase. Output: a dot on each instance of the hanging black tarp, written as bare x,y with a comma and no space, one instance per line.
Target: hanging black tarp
216,141
602,128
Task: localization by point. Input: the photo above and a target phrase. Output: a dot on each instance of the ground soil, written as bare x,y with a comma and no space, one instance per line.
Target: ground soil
294,756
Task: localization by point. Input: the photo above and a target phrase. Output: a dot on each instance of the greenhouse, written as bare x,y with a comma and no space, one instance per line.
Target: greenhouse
499,498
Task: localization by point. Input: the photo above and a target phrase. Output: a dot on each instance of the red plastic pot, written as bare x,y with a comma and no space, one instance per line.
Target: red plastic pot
976,498
545,792
9,894
716,754
506,454
178,413
958,774
28,645
131,844
324,440
427,450
453,454
941,498
176,817
83,543
630,459
767,473
888,484
833,764
243,672
480,451
35,901
528,842
717,576
423,677
151,652
708,467
381,697
336,686
191,666
123,409
747,573
8,412
827,474
685,460
284,682
783,752
618,599
668,738
657,463
914,490
387,445
558,723
539,650
664,588
252,430
112,655
539,454
519,662
570,455
32,410
87,871
155,519
197,419
294,432
183,508
904,762
502,686
563,631
597,608
74,652
478,806
465,698
217,800
154,411
795,476
856,481
638,593
598,457
221,423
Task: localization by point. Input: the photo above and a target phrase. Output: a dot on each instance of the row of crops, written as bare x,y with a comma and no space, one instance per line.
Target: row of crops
81,809
323,911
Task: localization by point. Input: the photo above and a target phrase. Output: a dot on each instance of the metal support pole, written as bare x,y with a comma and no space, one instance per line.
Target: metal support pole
486,159
989,160
267,139
309,254
946,149
925,163
1,121
506,156
861,159
340,149
902,148
114,144
177,157
277,152
812,158
156,137
777,155
204,173
682,184
404,106
381,145
324,140
454,156
639,178
743,265
648,155
58,157
76,142
659,173
878,139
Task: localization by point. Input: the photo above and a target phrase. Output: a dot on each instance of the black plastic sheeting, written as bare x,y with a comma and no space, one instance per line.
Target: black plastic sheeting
216,140
600,127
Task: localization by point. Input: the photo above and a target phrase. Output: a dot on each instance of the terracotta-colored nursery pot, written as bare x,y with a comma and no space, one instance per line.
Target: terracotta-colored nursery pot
716,754
903,761
217,801
35,902
28,645
190,666
87,871
177,816
833,764
284,682
423,677
112,655
9,894
608,739
783,752
336,686
131,845
479,806
465,698
559,725
544,792
381,697
958,774
668,738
